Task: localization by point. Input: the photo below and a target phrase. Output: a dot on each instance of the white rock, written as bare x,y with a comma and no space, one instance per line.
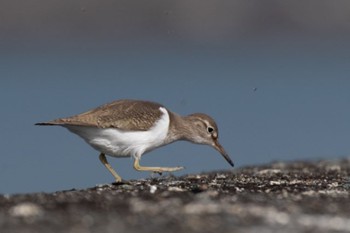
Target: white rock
153,189
26,210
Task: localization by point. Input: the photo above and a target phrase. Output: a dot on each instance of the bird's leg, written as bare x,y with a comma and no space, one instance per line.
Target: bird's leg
159,170
104,161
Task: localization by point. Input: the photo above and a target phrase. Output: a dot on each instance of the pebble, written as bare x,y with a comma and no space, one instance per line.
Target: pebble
153,189
26,210
176,189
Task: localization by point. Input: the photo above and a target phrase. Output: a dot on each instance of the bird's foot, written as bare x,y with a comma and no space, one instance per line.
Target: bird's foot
121,182
161,170
158,170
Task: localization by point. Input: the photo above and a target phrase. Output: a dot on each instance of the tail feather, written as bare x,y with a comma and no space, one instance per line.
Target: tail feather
65,121
46,123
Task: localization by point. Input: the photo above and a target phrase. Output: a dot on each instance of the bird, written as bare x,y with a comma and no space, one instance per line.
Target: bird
131,128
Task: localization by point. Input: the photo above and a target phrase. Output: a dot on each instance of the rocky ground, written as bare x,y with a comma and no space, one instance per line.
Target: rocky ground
280,197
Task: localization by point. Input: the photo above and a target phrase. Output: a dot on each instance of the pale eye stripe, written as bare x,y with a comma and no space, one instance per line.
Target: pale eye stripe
207,124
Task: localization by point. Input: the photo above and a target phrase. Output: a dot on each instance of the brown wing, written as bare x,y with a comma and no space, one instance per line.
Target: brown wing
132,115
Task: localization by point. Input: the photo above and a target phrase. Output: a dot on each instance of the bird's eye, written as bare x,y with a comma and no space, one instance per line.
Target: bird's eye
210,129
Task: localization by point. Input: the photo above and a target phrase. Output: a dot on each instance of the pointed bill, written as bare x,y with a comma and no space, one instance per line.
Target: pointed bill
222,151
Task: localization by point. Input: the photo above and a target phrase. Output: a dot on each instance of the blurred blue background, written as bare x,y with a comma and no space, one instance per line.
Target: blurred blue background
274,75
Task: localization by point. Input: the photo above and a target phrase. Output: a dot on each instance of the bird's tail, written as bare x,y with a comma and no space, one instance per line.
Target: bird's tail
46,123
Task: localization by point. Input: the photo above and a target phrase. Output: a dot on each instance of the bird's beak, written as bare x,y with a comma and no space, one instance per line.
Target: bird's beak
222,151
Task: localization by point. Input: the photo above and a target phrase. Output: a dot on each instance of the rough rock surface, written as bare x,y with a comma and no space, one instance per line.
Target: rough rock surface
280,197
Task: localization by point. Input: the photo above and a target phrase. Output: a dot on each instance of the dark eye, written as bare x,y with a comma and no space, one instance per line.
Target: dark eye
210,129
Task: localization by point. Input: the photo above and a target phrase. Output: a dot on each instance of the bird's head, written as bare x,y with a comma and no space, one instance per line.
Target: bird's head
205,131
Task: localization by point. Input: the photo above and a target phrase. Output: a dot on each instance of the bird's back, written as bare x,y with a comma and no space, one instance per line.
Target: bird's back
130,115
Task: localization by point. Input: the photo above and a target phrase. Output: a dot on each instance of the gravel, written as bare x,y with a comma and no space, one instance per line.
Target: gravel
279,197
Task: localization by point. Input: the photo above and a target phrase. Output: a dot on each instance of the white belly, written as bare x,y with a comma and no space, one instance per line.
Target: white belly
119,143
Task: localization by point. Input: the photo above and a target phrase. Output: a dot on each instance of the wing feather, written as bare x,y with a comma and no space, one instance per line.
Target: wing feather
132,115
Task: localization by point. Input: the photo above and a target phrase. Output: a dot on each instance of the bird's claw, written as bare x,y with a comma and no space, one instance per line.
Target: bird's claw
157,172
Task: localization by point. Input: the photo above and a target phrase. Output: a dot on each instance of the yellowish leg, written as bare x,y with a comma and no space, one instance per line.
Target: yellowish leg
138,167
104,161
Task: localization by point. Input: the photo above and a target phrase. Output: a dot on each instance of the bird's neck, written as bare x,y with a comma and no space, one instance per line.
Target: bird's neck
179,128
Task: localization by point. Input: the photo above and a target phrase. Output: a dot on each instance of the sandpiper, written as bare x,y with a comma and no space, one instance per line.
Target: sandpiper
125,128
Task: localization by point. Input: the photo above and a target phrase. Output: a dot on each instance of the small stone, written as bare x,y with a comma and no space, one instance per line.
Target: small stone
333,185
220,176
153,189
269,171
26,210
126,187
272,182
176,189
